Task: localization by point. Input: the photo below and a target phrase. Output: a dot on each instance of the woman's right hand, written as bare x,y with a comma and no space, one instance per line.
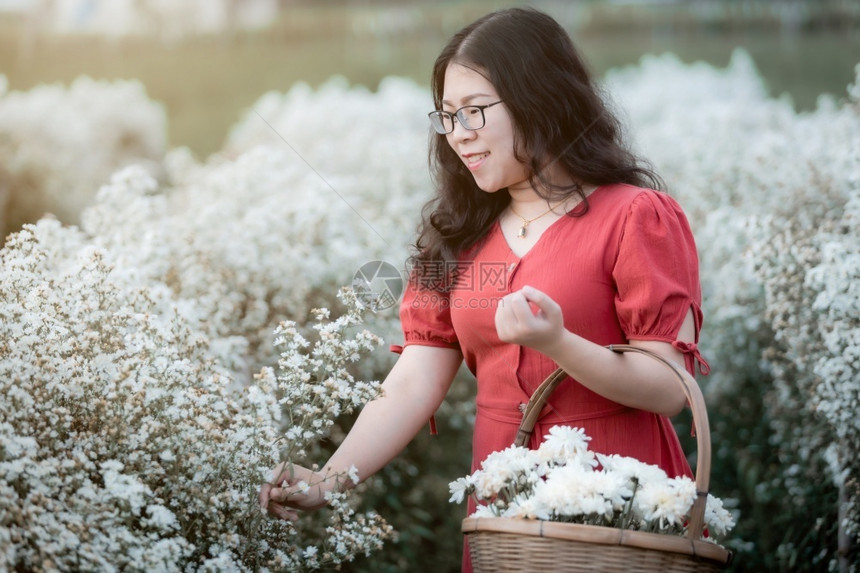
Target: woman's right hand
412,391
294,488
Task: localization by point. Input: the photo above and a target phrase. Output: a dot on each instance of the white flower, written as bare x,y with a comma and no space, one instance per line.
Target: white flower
660,502
524,506
631,468
489,484
461,488
484,511
352,474
161,518
565,443
717,518
570,491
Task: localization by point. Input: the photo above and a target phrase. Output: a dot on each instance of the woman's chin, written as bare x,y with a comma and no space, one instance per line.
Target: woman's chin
488,187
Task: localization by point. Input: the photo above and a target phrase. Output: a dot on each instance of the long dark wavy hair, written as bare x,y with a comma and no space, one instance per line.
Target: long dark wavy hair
558,115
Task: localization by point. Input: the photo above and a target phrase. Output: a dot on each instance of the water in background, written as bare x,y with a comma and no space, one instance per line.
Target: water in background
207,75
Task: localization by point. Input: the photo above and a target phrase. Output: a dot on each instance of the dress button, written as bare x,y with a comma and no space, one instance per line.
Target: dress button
512,266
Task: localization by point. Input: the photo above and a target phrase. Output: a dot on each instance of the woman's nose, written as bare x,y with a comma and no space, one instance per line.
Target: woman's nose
460,133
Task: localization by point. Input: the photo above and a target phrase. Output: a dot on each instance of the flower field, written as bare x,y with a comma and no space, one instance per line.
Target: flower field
160,349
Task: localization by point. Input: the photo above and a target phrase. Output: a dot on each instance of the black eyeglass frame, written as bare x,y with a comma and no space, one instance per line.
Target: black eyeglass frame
456,115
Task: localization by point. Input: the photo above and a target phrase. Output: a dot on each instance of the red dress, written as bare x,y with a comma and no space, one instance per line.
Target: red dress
626,270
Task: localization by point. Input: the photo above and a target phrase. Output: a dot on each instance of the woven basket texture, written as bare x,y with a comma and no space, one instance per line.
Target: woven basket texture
495,552
531,546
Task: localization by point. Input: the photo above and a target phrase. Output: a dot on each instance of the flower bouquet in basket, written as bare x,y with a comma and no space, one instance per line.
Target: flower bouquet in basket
563,507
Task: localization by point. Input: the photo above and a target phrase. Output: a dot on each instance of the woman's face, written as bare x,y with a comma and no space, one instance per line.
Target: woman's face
487,152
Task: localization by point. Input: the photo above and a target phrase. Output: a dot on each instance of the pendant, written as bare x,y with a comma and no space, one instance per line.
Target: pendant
522,232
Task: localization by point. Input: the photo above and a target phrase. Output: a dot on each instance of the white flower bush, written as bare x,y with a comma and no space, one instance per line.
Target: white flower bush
127,445
565,481
771,195
383,133
202,252
59,143
368,148
316,387
810,267
282,218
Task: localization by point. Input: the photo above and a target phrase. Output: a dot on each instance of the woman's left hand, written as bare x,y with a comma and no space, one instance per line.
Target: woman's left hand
530,318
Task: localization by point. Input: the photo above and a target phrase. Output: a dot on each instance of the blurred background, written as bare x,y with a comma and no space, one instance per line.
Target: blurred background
208,60
173,85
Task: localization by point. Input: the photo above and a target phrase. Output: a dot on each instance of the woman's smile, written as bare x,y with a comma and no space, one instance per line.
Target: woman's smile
475,160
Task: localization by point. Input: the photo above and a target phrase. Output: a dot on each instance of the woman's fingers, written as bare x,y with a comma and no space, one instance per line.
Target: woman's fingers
280,494
270,499
279,511
263,496
515,309
518,307
541,300
279,474
505,320
527,316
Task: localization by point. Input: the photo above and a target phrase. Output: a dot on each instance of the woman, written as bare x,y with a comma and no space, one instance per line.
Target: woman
546,242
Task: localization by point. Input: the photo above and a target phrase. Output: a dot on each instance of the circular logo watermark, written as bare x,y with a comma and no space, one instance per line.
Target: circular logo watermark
378,285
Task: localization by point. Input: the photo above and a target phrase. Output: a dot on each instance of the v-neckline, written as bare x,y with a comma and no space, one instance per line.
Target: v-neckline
507,243
530,249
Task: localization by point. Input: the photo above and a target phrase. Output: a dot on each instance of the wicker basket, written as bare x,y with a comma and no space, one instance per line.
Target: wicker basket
523,545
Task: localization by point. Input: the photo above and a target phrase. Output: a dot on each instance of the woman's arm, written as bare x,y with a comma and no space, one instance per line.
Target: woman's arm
412,392
630,379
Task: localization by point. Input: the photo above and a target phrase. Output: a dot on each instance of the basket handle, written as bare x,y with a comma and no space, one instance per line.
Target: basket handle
700,423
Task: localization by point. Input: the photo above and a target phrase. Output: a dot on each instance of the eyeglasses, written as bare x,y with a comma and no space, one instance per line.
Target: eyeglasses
471,117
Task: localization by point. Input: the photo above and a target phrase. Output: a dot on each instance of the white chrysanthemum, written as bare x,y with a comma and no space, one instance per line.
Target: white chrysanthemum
631,468
489,484
717,518
514,459
564,444
662,503
484,511
525,506
573,490
503,469
461,488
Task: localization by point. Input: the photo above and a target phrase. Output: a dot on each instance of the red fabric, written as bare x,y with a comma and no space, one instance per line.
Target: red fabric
627,270
693,356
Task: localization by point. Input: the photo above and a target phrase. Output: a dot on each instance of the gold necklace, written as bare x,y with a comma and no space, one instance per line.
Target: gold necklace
524,228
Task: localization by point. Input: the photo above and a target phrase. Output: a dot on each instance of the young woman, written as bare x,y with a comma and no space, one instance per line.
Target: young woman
546,242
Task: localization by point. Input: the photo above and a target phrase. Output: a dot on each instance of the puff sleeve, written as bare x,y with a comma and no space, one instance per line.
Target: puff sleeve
656,274
425,317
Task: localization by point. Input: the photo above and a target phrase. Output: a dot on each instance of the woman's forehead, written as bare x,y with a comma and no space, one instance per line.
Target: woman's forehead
464,83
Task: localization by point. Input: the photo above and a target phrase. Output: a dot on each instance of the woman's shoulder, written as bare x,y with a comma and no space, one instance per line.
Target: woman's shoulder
626,193
624,198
